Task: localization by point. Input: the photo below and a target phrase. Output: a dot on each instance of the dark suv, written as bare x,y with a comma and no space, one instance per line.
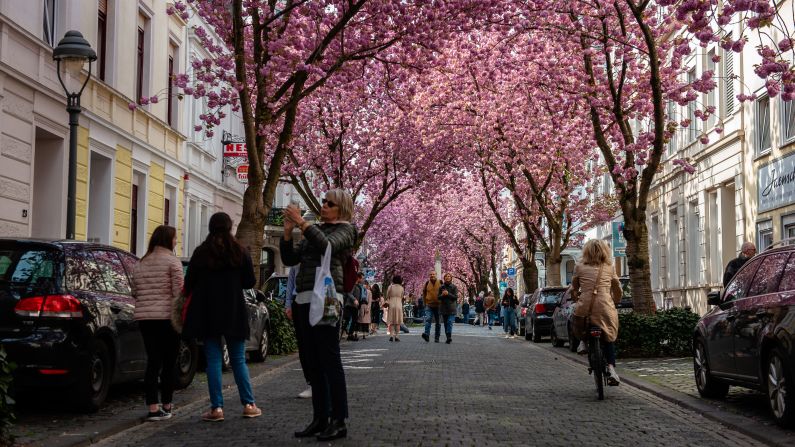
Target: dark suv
748,338
66,319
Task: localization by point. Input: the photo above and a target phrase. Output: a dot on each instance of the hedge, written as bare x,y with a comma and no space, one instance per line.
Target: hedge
282,331
6,402
666,333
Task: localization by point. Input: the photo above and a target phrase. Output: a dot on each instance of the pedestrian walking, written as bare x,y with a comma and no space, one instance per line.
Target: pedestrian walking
490,306
375,308
218,272
364,308
747,252
465,311
394,298
448,296
480,311
157,283
509,303
430,296
597,290
320,343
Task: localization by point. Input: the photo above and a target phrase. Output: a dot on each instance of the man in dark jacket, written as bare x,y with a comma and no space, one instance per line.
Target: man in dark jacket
448,296
747,252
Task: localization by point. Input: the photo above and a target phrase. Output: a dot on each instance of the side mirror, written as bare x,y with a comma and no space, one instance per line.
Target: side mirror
713,298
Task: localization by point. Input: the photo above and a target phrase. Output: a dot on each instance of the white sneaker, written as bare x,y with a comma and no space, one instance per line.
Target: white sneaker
582,348
507,336
513,336
612,376
306,394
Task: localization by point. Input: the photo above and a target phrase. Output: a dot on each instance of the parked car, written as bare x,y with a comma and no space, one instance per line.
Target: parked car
522,313
540,307
748,338
275,287
561,322
66,319
259,323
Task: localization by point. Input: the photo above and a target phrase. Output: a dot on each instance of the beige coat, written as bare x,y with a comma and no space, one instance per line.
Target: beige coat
604,296
157,282
394,296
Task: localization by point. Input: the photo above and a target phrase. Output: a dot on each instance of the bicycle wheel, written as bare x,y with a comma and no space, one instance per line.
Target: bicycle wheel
596,360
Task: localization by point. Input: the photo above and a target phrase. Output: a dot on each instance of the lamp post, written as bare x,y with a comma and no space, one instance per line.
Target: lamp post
73,51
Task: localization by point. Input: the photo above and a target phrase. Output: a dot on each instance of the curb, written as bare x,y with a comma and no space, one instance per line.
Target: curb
115,427
771,435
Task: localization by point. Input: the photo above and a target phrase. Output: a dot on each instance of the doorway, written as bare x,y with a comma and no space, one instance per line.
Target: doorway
99,189
48,210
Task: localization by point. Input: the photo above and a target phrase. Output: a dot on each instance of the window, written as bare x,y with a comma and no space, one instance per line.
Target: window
129,263
673,249
166,211
764,231
788,226
762,124
738,286
48,31
170,99
670,110
769,273
134,219
788,278
694,244
139,80
692,130
712,94
82,273
102,37
110,265
787,121
728,80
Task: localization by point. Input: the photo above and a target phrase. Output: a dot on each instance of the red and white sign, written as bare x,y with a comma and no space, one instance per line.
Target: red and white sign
235,150
242,173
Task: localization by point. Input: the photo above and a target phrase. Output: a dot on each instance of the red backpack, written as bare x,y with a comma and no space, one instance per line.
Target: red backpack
349,273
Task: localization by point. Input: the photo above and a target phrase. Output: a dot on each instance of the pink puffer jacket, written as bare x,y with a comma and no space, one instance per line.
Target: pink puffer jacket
157,282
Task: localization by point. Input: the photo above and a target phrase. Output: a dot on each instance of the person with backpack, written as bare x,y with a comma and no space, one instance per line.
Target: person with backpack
430,296
480,311
321,342
362,294
448,298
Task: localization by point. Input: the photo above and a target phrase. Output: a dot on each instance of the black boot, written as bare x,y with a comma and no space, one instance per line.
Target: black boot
317,426
335,430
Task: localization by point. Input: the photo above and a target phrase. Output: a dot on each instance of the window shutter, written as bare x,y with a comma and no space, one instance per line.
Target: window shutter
103,6
728,73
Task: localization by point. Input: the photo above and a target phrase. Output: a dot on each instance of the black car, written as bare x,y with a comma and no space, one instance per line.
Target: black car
259,323
540,307
748,338
66,319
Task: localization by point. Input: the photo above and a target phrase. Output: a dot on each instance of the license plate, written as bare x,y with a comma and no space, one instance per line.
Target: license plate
625,310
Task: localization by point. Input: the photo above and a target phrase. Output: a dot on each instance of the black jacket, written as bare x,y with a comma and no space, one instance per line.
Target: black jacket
509,301
448,302
732,267
311,249
217,306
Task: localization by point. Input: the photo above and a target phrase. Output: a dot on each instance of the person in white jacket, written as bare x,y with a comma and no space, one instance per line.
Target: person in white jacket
157,283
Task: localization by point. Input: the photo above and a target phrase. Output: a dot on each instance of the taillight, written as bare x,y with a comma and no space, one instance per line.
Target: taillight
49,306
540,308
524,312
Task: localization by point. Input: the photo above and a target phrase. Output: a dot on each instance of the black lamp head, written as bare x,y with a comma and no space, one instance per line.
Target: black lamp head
74,45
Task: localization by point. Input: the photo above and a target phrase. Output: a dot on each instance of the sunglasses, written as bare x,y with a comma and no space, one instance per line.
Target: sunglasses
329,203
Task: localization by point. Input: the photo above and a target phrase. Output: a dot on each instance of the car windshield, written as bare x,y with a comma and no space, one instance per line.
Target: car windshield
29,270
550,296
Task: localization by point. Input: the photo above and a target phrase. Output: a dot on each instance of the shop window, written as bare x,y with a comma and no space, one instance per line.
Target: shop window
764,231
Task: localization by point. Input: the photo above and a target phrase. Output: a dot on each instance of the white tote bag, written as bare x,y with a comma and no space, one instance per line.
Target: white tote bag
325,308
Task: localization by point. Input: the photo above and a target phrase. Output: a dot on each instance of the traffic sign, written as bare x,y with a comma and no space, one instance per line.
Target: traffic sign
503,275
503,284
511,271
512,282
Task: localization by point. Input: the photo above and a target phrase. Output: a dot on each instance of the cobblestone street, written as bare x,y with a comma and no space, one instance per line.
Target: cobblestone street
481,390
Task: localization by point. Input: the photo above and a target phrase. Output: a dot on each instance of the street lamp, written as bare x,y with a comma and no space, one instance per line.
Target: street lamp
73,51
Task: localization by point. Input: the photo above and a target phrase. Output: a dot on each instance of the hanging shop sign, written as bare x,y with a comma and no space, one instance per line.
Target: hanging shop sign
619,243
776,183
235,150
242,173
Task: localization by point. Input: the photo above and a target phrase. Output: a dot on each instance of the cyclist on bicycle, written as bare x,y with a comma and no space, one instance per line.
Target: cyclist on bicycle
596,289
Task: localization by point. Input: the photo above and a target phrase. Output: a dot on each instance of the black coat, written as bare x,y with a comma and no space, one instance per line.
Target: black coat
310,251
448,306
732,268
217,306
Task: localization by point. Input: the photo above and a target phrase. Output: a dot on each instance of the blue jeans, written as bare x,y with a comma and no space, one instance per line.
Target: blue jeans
237,357
448,325
492,317
509,319
610,353
432,313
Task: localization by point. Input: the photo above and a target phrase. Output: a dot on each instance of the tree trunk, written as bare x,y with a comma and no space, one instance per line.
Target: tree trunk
637,235
529,275
251,228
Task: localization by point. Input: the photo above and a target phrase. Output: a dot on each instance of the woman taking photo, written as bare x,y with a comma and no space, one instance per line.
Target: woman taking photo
157,282
218,272
394,300
596,289
320,344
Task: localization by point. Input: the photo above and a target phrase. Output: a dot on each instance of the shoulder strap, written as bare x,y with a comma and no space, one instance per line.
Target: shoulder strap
595,287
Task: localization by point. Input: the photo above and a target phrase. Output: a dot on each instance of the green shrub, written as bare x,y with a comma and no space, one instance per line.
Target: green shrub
282,331
6,402
663,334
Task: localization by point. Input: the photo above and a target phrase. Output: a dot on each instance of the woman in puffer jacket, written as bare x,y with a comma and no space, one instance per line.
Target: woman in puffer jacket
157,282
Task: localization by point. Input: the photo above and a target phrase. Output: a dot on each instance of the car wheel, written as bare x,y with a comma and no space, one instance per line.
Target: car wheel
707,385
573,342
94,381
554,339
187,363
780,389
536,335
262,347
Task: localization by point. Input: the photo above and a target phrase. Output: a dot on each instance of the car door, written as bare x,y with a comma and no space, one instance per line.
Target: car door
720,324
254,318
118,292
754,312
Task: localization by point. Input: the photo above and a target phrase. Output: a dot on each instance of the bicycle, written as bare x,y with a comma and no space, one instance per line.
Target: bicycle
597,365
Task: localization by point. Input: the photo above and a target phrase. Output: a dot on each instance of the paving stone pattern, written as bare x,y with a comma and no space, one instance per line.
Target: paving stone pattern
481,390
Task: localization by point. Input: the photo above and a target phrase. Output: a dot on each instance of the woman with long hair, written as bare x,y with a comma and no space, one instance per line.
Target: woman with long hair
157,282
320,343
375,308
509,303
597,290
394,299
219,270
